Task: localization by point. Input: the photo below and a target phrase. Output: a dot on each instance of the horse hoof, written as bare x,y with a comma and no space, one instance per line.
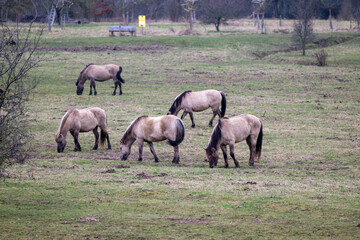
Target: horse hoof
193,126
140,159
237,166
95,93
95,148
120,93
109,147
157,160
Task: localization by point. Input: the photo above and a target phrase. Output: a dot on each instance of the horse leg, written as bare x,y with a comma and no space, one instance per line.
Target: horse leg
153,151
211,121
141,145
95,92
75,134
223,148
183,115
120,88
192,119
252,146
96,134
176,158
233,155
108,139
115,84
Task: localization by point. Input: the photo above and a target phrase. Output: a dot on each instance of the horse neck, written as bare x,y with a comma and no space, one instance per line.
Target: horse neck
216,136
64,125
82,78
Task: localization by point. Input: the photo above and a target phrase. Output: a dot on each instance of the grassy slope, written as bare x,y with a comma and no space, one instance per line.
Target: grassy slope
306,184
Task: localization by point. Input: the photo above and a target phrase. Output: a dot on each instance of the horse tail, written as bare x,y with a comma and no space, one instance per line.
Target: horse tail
102,137
259,142
118,76
223,104
180,133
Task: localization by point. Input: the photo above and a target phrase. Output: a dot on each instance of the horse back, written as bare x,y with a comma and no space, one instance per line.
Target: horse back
90,118
154,129
202,100
102,72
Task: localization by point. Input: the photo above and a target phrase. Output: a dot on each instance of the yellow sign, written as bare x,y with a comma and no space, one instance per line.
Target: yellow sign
142,22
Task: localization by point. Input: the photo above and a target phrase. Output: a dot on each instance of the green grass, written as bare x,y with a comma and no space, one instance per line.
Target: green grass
305,186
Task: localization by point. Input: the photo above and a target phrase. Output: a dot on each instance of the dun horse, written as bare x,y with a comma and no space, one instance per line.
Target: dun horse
83,120
99,73
153,129
229,131
199,101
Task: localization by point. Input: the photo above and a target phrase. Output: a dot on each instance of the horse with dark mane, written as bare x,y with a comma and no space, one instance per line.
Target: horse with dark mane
82,120
229,131
191,102
153,129
99,73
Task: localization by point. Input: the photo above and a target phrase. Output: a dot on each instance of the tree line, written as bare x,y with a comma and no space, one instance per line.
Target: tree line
174,10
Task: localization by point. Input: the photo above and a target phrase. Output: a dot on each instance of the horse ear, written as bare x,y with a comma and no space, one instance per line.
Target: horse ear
213,150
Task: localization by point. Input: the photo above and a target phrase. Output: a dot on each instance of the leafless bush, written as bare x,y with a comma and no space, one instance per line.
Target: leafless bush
17,57
321,57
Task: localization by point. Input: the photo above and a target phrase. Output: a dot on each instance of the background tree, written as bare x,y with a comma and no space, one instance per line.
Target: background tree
303,27
18,56
217,11
330,4
190,6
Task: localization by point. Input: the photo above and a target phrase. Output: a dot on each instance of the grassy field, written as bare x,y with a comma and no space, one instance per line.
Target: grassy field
305,186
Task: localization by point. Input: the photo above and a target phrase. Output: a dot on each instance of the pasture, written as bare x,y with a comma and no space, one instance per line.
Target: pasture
305,185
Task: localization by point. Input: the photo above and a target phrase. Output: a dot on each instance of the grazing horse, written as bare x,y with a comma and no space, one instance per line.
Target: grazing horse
229,131
82,120
199,101
153,129
99,73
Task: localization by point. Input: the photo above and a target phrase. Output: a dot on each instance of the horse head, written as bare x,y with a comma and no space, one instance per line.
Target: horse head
61,143
79,90
213,156
124,152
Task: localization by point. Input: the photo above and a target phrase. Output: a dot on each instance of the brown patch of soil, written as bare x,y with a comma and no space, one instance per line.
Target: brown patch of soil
143,175
107,48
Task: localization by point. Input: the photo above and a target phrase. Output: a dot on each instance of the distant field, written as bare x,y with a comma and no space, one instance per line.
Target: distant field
305,186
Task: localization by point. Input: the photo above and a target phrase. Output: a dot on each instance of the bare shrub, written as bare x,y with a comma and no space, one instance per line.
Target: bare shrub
321,57
17,57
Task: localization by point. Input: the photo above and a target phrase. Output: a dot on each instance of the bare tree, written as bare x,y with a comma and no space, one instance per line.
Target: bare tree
217,11
190,6
259,9
303,27
330,4
17,57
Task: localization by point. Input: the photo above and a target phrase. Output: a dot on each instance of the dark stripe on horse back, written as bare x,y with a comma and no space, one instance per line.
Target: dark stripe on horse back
77,82
178,101
128,132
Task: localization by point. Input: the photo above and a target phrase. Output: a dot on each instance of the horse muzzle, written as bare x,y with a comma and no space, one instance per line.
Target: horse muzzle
79,91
